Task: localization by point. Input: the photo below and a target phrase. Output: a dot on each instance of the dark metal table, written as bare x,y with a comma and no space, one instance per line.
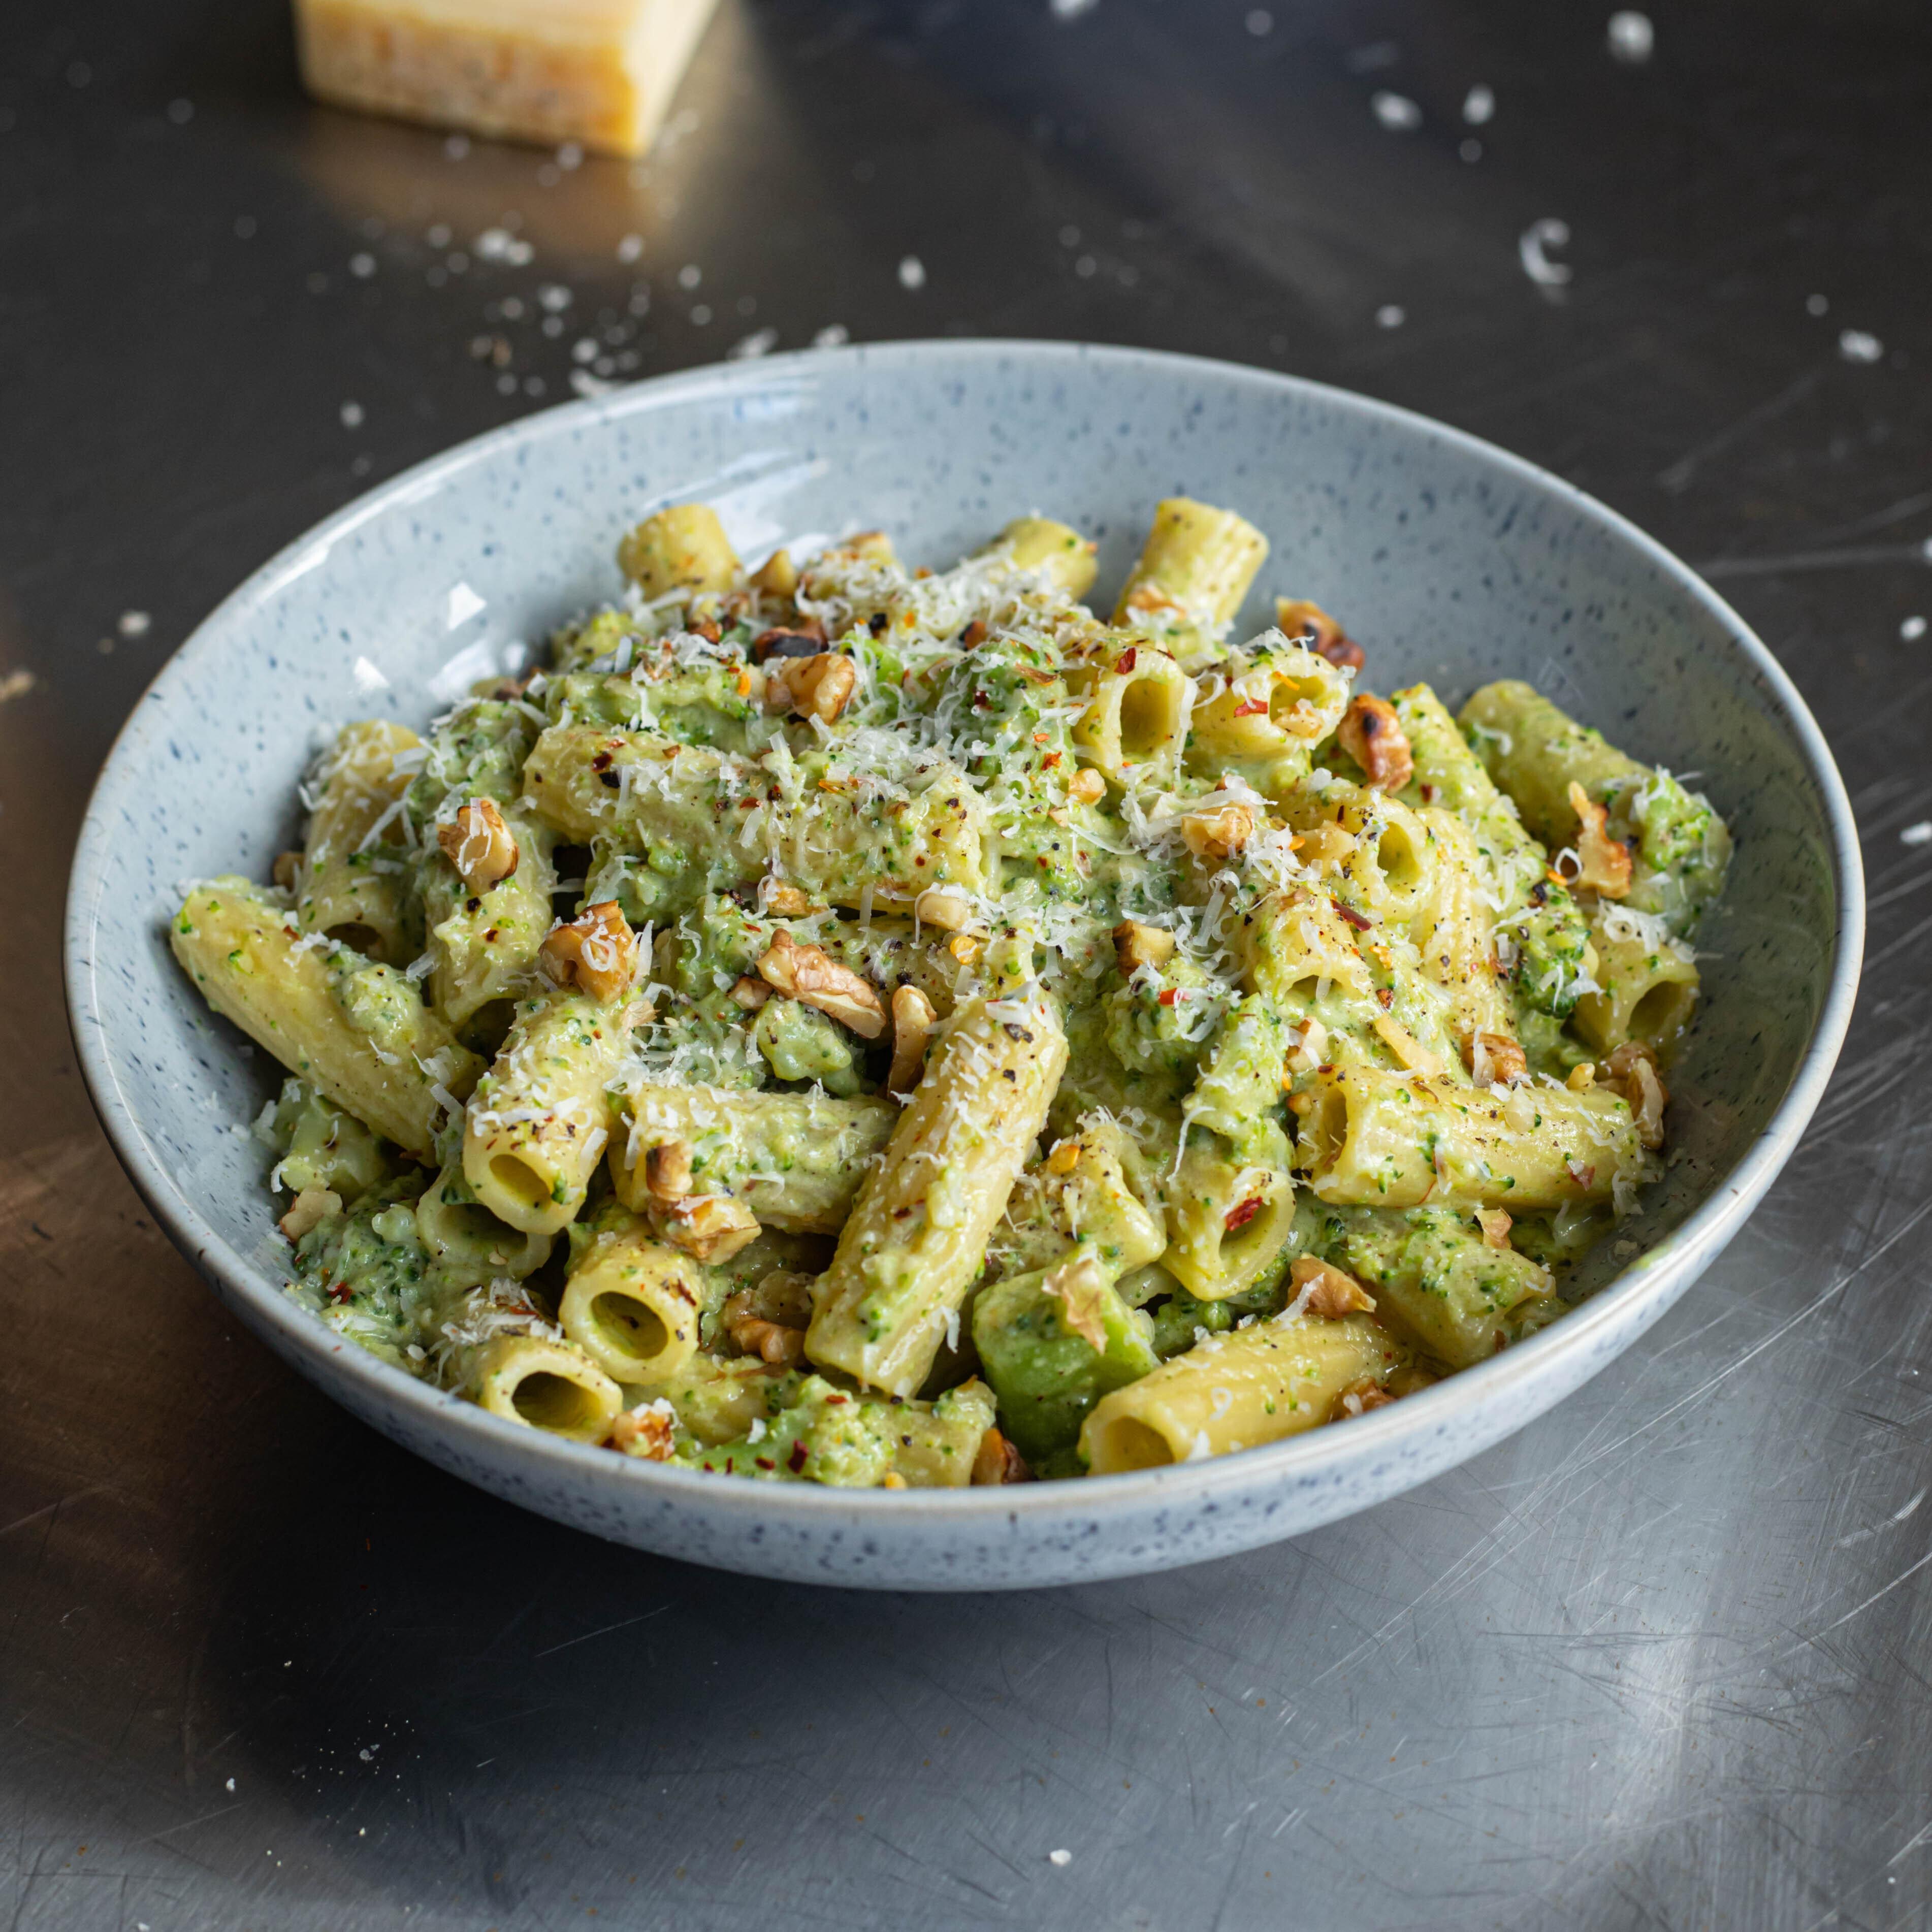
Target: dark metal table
1661,1660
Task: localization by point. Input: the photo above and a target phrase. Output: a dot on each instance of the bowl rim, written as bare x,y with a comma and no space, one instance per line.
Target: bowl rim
1625,1303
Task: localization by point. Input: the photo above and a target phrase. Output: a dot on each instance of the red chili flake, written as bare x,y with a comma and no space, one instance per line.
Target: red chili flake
1169,994
748,805
795,1461
1581,1172
707,630
764,1462
601,762
836,1401
341,1291
975,633
1360,921
1052,759
1124,662
1429,794
1239,1217
1252,707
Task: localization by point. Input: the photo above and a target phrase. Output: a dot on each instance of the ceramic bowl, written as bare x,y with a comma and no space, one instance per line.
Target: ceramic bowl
1450,560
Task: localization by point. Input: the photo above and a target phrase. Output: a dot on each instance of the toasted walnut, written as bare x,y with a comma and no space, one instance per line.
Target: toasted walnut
1136,945
803,641
950,911
1358,1398
479,843
777,577
913,1019
820,686
1631,1071
1086,787
771,1342
1331,1294
648,1432
668,1171
597,951
784,901
1372,736
286,867
749,993
1219,833
1308,1047
1495,1059
312,1206
804,974
1603,863
997,1461
1582,1079
1496,1225
708,1227
1319,631
783,1296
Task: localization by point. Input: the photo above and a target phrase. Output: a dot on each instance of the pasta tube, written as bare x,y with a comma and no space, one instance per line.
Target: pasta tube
1278,707
538,1121
1433,1273
1647,981
1055,552
1193,574
914,1242
1237,1391
682,548
796,1159
547,1385
347,887
631,1303
469,1242
1374,1139
359,1032
1136,716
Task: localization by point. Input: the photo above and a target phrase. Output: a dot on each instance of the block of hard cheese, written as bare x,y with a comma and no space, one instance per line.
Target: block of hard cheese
597,72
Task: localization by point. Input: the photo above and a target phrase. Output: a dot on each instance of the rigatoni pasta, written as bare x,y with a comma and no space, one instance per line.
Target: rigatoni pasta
981,1040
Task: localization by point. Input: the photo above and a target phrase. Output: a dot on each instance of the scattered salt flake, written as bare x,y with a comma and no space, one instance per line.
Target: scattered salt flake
15,684
181,113
570,155
1395,112
912,273
1479,106
1817,304
1260,23
1859,345
759,342
352,416
690,275
1632,38
499,244
367,677
231,1784
833,335
1390,315
133,623
1913,629
630,247
1471,149
1070,9
1920,834
586,384
362,265
1062,1857
1532,248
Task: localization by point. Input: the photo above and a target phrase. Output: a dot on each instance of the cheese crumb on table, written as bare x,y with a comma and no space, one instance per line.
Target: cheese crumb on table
584,73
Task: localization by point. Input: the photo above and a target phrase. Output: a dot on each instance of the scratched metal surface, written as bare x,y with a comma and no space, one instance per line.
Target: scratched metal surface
1659,1661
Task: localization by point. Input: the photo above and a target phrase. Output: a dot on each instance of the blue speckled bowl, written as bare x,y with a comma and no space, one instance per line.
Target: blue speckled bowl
1450,560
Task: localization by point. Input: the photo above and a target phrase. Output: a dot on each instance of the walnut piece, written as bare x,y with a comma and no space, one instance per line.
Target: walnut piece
820,686
668,1171
1603,863
1358,1398
479,843
1372,736
1313,626
1086,787
646,1431
708,1227
1331,1293
1496,1225
804,972
1495,1060
596,951
940,906
1219,833
784,901
1136,945
997,1461
312,1206
1631,1071
772,1342
912,1019
749,993
287,865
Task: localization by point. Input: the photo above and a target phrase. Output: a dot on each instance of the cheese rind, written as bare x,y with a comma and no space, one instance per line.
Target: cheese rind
601,72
